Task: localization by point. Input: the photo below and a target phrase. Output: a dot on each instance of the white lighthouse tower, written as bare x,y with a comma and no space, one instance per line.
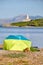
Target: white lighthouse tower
27,18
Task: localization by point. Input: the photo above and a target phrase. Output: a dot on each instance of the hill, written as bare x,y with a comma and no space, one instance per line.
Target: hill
15,19
19,18
35,17
36,22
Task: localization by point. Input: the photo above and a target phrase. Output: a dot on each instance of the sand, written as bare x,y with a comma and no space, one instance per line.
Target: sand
21,58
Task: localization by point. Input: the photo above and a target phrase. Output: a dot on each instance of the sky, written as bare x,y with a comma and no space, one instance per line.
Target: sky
12,8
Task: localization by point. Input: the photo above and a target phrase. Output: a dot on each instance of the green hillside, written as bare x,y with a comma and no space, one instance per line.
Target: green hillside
37,22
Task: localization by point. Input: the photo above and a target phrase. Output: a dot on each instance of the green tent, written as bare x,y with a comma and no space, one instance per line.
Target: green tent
18,43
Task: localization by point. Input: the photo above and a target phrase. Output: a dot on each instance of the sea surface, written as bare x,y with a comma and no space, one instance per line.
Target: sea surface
32,33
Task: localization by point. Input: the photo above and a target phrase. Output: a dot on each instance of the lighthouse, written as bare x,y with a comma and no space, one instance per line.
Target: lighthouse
27,18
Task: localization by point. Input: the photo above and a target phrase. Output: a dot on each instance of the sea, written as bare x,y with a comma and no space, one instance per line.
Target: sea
34,34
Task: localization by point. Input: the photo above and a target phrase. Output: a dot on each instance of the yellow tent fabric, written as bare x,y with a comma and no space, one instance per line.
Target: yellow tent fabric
16,44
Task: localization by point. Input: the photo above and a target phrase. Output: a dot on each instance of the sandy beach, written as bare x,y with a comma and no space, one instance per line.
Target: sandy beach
21,58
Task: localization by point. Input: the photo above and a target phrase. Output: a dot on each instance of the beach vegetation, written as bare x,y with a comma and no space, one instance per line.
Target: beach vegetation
14,55
34,49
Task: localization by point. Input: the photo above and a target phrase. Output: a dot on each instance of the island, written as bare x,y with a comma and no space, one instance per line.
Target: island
35,23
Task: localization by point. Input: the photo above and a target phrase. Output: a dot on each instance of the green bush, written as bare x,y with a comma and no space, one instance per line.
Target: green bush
34,49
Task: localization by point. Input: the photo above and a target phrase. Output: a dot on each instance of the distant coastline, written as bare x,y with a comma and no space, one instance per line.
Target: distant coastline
32,23
23,21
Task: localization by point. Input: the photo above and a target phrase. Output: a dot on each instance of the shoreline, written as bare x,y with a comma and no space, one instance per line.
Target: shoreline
21,26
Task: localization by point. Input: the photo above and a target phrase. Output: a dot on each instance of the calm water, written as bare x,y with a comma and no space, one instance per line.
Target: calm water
34,34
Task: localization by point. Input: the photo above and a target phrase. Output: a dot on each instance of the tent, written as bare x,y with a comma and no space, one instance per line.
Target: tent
18,43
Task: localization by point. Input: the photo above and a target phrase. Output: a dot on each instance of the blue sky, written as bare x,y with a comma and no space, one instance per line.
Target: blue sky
12,8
